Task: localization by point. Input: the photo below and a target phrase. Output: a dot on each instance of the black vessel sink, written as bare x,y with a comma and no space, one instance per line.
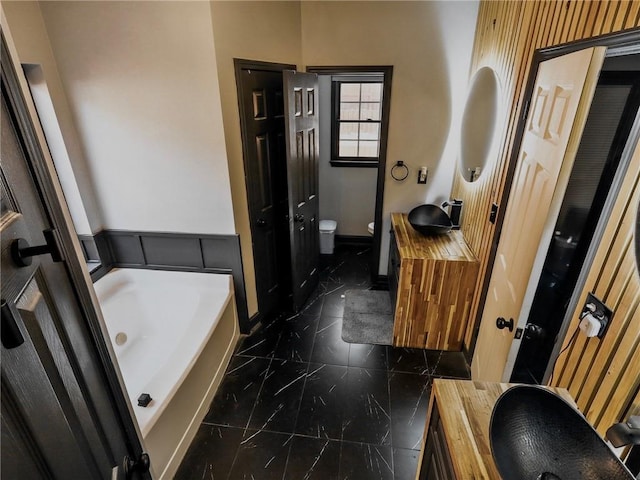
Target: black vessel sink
430,220
536,435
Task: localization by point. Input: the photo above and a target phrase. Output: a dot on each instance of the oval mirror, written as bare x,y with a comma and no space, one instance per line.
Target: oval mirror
478,124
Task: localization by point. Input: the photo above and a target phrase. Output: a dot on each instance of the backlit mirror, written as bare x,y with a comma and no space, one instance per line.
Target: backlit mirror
479,124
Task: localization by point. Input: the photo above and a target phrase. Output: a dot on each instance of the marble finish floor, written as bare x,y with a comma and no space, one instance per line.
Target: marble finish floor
299,403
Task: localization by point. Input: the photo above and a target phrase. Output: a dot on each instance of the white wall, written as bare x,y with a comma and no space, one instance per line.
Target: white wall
265,31
142,85
32,44
429,45
347,195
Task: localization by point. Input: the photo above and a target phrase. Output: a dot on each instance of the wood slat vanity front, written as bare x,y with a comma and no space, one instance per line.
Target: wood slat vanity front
431,282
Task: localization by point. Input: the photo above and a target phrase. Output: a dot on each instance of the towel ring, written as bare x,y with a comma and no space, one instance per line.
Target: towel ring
398,177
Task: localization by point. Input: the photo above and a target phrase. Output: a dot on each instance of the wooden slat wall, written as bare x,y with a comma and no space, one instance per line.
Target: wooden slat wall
603,375
507,34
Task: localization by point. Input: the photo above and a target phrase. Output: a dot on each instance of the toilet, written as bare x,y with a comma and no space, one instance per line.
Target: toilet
370,227
327,236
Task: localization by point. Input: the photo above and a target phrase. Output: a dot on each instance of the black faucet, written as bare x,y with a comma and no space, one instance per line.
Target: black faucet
625,433
454,212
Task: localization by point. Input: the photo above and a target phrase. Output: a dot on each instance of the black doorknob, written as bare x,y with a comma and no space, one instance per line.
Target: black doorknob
261,222
298,217
502,323
21,252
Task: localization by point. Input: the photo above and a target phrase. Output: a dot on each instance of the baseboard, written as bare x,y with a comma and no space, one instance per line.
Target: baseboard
381,283
356,240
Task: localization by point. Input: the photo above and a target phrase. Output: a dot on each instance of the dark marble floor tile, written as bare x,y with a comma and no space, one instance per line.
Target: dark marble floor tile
297,336
366,412
236,396
368,356
261,343
261,455
277,405
364,461
350,265
329,346
313,459
211,453
409,398
333,303
313,306
447,364
411,360
405,463
323,400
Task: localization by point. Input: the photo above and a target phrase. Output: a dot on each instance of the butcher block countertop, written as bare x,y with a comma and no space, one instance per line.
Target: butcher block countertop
465,410
414,245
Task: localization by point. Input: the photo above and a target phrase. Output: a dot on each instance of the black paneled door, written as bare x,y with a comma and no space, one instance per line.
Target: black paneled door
301,127
59,417
262,114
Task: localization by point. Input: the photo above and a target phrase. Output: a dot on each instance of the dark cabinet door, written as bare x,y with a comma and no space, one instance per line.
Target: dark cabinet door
436,463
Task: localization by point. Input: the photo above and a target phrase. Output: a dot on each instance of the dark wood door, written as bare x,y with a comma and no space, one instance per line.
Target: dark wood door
59,417
262,114
301,107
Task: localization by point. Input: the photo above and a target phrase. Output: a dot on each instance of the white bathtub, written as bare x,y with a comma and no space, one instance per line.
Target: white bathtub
173,334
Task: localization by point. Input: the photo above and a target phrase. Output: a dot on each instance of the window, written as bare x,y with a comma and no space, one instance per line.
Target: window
356,120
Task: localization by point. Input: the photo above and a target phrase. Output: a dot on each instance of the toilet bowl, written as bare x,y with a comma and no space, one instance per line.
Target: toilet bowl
370,227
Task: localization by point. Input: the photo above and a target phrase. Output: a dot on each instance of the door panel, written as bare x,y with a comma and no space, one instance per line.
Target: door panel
60,414
562,95
302,172
262,112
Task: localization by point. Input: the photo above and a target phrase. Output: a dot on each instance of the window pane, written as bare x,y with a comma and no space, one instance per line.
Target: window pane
369,131
368,149
370,111
348,149
371,92
348,131
350,92
349,111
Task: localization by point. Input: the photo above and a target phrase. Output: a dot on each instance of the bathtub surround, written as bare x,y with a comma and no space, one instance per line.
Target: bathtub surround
172,251
174,351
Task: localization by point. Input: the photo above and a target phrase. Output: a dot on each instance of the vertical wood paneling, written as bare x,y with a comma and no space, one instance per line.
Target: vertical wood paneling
507,35
603,375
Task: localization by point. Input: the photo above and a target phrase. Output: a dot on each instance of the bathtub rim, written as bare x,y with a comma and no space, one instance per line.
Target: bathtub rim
145,425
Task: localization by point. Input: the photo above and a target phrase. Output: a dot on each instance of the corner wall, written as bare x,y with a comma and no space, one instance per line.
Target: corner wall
264,31
141,82
32,43
429,45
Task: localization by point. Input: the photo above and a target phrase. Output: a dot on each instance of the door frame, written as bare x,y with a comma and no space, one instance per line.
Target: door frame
45,177
387,72
618,41
240,64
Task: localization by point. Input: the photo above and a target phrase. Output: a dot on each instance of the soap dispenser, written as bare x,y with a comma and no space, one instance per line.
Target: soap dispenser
454,212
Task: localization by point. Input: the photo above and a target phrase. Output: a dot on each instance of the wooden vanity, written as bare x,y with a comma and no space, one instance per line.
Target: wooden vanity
456,443
431,282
